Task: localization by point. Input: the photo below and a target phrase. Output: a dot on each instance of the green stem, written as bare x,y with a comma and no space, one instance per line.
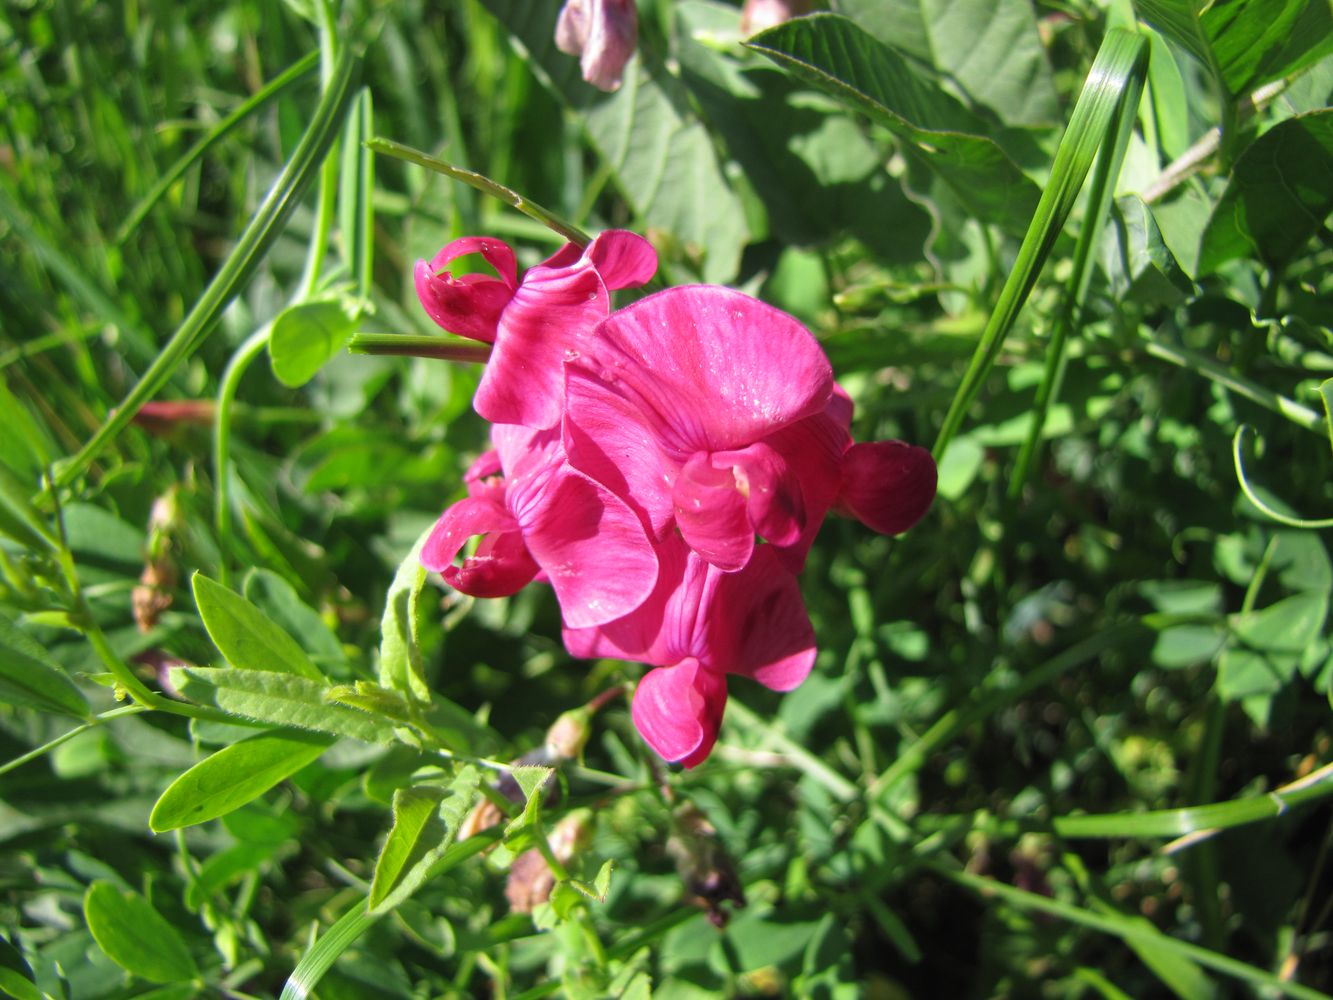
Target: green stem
63,738
231,377
420,346
799,756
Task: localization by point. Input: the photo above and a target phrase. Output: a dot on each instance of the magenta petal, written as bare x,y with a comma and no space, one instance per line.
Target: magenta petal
812,450
773,496
622,258
606,437
711,369
678,710
547,322
592,547
887,485
501,565
711,514
469,305
757,624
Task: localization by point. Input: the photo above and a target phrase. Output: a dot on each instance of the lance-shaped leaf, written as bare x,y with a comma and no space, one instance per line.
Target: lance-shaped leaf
233,776
135,936
401,668
280,700
835,55
26,678
247,637
1278,197
425,821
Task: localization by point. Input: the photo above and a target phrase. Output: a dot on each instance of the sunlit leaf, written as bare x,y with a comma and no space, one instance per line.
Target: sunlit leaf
135,936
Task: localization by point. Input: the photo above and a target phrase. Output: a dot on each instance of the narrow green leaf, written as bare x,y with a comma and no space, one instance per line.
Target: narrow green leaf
1326,395
14,985
425,821
265,226
331,944
246,637
1178,20
135,936
306,336
401,668
27,678
280,700
356,191
214,135
234,776
1278,196
835,55
278,599
19,519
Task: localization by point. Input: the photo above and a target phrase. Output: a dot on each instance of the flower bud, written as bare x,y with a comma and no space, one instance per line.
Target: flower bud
603,34
568,735
703,864
153,594
758,15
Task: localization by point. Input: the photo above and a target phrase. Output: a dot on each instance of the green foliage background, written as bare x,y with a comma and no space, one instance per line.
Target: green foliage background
1070,736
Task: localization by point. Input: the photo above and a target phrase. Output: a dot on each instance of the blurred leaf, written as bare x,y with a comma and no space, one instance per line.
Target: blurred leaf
277,599
1287,626
225,867
245,636
16,978
305,336
425,821
1278,196
26,447
835,55
988,49
27,678
1243,673
19,519
233,776
1138,263
135,936
100,536
401,668
280,700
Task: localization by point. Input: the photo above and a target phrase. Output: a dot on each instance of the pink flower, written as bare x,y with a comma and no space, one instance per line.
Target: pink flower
698,625
536,514
758,15
534,324
603,34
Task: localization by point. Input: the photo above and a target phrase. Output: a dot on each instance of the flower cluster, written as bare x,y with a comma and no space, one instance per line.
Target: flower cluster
664,467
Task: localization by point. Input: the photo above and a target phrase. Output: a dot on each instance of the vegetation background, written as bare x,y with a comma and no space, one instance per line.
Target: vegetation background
1069,737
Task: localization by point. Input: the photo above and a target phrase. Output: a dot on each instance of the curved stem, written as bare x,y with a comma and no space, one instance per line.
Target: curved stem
231,377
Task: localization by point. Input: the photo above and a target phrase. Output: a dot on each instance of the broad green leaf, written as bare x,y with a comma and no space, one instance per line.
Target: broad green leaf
100,537
306,336
401,668
233,776
987,49
135,936
1246,43
1255,41
661,155
1137,261
27,678
835,55
280,700
1287,626
278,599
425,820
1278,197
1244,673
246,637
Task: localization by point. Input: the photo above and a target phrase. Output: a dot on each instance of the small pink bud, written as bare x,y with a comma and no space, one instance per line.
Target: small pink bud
757,15
568,735
159,416
603,34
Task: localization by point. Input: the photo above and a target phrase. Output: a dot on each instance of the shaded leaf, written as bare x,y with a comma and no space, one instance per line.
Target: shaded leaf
988,49
425,820
835,55
401,668
27,678
233,776
305,336
278,599
1287,626
279,699
246,637
135,936
1138,263
1278,197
